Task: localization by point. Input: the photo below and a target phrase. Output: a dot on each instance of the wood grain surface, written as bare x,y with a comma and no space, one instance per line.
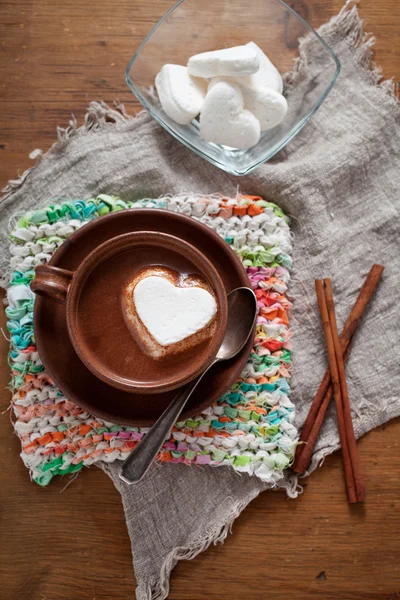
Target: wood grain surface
73,544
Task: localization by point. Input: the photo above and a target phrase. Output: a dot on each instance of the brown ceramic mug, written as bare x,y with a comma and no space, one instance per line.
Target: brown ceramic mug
94,311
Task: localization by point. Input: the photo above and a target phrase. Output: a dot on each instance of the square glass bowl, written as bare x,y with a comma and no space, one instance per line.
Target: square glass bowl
193,26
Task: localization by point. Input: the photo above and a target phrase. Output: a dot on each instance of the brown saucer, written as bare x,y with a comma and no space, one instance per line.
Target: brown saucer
63,364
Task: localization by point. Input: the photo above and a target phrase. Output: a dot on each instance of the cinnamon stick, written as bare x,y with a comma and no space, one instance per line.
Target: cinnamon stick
351,438
348,470
303,458
322,398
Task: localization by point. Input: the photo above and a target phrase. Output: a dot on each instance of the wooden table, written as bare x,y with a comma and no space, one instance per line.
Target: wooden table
56,57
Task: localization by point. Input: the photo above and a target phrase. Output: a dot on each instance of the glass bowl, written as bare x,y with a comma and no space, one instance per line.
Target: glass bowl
194,26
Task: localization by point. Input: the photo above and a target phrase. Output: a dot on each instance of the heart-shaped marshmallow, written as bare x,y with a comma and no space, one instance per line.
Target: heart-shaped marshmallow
181,95
239,60
266,76
223,119
267,105
171,314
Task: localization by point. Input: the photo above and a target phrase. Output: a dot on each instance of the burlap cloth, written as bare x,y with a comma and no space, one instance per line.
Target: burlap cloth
338,180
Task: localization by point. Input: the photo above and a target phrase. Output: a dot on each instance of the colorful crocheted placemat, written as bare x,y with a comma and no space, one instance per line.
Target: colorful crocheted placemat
250,428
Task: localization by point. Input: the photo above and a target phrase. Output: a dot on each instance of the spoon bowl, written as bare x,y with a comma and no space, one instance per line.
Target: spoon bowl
242,306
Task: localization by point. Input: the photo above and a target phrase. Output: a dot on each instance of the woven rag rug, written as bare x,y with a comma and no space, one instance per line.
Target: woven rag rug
250,429
337,181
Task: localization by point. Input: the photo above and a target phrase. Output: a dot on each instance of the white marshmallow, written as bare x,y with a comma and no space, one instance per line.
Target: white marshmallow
181,95
171,314
239,60
267,105
223,120
266,76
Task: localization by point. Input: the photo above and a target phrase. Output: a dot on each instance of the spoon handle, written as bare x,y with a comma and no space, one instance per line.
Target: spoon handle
139,461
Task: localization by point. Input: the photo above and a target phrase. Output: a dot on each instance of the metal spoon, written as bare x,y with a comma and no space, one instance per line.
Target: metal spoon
242,306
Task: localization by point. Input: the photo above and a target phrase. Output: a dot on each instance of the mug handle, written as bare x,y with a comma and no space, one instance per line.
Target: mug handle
52,282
